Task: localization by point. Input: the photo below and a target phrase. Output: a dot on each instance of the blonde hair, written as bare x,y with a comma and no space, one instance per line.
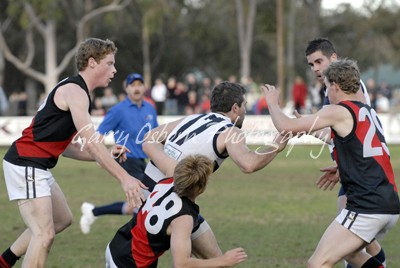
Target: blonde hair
94,48
346,74
191,175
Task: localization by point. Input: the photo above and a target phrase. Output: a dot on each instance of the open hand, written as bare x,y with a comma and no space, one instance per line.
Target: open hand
329,179
119,152
133,191
234,256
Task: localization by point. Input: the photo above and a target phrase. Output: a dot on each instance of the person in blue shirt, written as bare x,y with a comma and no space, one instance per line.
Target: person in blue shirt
129,121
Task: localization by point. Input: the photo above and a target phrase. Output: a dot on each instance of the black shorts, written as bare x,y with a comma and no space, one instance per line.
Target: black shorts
135,167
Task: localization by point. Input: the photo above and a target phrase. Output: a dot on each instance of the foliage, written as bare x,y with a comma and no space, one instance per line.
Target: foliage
188,35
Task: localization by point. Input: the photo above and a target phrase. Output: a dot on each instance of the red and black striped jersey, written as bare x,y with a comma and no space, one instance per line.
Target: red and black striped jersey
364,163
49,133
144,238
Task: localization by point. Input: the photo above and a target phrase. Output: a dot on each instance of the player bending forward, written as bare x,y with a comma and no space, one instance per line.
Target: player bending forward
167,220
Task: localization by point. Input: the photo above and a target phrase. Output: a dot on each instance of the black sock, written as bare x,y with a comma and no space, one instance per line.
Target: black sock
381,256
372,263
114,208
9,257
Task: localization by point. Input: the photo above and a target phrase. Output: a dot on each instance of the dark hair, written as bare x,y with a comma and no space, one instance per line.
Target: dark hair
94,48
225,95
345,74
321,44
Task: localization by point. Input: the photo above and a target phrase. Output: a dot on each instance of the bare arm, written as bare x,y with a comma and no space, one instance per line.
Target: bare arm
71,97
322,134
181,247
153,146
335,116
74,151
249,161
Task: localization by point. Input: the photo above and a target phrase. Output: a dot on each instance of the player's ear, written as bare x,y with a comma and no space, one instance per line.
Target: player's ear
337,88
235,107
92,62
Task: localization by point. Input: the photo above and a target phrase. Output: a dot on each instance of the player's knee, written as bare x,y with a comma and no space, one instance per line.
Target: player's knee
63,223
44,237
314,262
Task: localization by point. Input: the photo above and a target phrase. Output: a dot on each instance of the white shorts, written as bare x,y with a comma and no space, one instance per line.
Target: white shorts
367,226
204,226
24,182
109,260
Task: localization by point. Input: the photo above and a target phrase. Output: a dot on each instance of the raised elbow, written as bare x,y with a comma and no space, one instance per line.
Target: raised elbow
248,168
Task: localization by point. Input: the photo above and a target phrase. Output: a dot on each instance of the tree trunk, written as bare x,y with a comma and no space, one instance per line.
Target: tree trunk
245,36
2,68
280,49
50,45
291,30
313,8
146,54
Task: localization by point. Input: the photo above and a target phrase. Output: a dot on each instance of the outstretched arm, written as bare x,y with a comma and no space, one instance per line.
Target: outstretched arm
71,97
181,247
323,134
233,139
329,116
153,146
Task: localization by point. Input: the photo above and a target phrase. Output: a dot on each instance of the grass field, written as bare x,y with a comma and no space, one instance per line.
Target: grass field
277,214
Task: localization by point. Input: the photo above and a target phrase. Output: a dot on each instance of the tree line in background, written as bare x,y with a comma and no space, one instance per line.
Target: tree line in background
261,39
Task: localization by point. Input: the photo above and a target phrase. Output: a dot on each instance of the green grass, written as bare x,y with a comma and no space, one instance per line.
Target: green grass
277,214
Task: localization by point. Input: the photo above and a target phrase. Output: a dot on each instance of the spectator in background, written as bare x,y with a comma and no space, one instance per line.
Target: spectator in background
182,97
171,104
252,94
372,91
159,95
382,103
316,98
191,83
109,99
385,90
3,102
299,94
98,107
217,80
205,88
121,96
192,107
205,103
261,106
18,103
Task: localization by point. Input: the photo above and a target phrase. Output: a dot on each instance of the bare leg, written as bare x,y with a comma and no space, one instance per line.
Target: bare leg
204,243
62,219
374,247
336,243
38,217
62,214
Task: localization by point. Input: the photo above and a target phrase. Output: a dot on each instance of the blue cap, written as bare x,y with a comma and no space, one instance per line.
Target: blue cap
132,77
